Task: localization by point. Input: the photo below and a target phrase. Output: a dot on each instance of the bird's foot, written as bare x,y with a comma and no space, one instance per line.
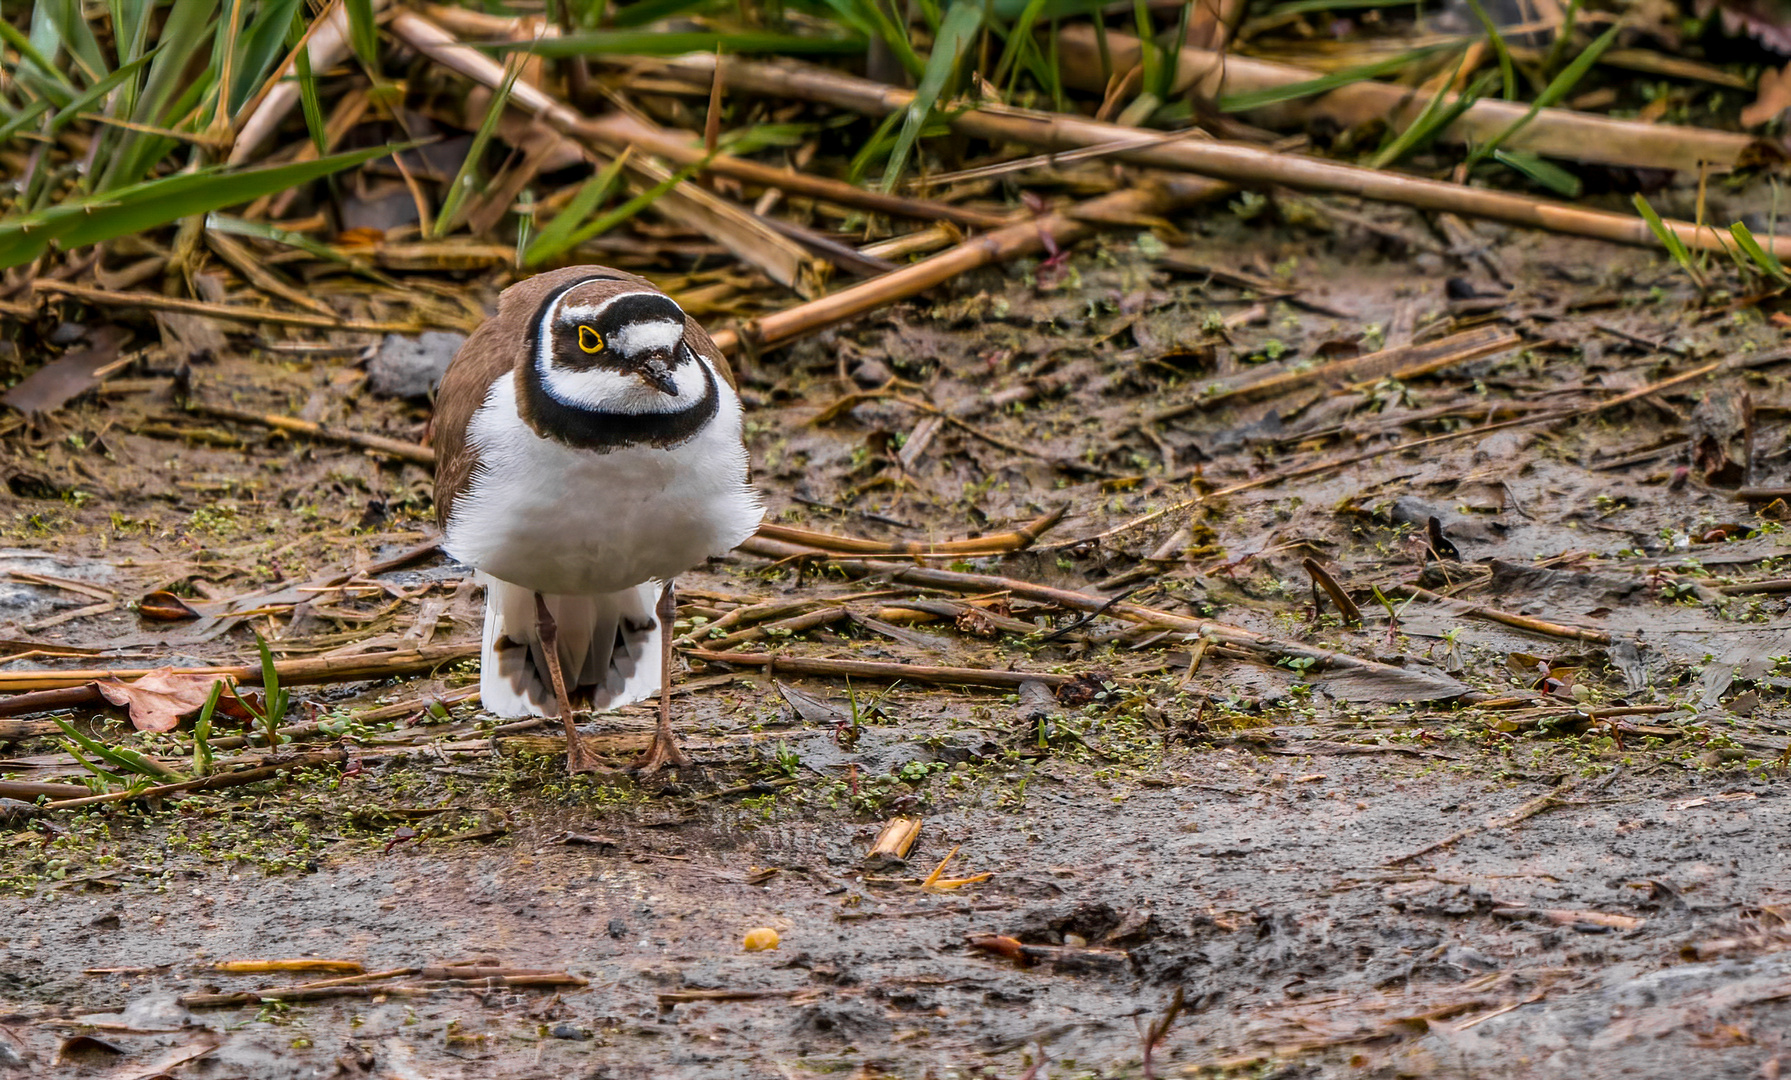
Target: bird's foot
663,751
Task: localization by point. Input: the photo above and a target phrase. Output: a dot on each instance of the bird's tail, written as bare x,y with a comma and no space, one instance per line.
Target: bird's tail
609,648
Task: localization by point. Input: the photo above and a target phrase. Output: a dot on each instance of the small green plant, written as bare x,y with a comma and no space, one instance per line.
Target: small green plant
275,700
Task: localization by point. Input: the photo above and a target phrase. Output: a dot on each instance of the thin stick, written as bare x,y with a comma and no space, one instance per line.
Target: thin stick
313,670
871,669
1366,455
1154,197
1523,813
1552,132
398,448
976,584
209,783
1521,622
228,312
1238,163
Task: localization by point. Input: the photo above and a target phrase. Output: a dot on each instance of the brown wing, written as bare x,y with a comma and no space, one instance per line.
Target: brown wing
493,349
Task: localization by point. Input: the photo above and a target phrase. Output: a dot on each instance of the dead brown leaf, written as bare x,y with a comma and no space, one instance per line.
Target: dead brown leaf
1773,97
159,700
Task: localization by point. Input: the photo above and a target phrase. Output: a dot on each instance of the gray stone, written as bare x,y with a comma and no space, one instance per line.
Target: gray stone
412,367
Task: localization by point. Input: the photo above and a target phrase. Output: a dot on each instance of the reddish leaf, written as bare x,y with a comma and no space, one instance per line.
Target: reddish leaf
164,606
159,700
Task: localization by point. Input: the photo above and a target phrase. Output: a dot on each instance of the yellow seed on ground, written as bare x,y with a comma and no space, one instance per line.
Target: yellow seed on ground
760,939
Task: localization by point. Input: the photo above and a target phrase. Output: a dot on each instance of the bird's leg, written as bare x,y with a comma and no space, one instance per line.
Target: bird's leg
664,749
578,759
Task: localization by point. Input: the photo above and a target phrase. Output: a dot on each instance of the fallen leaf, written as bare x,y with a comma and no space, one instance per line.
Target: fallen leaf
50,387
1773,97
159,700
164,606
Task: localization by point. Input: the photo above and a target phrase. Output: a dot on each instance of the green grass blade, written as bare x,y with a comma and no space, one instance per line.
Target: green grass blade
1017,38
77,37
1667,237
466,174
655,43
363,32
1546,173
262,45
25,117
956,32
169,89
202,755
224,223
875,148
644,12
91,96
1559,87
1507,71
26,50
309,103
119,757
1149,57
1767,262
79,222
1274,95
277,699
557,236
1435,116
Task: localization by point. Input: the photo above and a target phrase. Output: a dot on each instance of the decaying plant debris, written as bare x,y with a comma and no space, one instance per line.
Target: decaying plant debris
1276,563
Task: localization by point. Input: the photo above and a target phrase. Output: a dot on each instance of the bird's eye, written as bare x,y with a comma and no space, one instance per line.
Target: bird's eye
589,340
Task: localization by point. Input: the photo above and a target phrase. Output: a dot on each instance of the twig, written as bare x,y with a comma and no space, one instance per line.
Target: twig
209,783
747,237
398,448
1552,132
1521,622
1398,362
1234,162
1523,813
871,669
976,584
315,670
1157,196
228,312
1367,455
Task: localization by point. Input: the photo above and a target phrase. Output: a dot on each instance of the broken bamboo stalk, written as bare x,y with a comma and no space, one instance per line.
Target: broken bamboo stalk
311,670
691,205
895,839
1552,132
1153,197
1238,163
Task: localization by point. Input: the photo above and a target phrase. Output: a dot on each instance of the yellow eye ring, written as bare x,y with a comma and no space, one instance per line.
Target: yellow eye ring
589,340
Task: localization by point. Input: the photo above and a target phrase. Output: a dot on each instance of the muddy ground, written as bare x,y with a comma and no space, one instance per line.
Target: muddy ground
1491,853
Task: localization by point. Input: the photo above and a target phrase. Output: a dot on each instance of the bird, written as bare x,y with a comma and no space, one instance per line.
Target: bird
589,447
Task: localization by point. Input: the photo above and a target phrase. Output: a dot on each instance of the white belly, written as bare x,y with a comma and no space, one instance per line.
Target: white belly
558,519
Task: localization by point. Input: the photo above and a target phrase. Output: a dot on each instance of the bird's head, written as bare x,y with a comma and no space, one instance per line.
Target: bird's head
617,350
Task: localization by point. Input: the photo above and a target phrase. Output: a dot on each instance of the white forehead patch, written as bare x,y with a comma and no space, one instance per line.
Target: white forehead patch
662,334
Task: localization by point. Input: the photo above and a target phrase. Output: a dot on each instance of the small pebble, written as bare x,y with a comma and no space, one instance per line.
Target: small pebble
760,939
569,1031
1075,941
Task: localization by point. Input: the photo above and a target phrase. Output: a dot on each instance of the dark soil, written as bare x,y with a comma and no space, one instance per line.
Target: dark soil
1266,837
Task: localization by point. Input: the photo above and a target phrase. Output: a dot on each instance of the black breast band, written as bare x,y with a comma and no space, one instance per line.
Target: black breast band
599,429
